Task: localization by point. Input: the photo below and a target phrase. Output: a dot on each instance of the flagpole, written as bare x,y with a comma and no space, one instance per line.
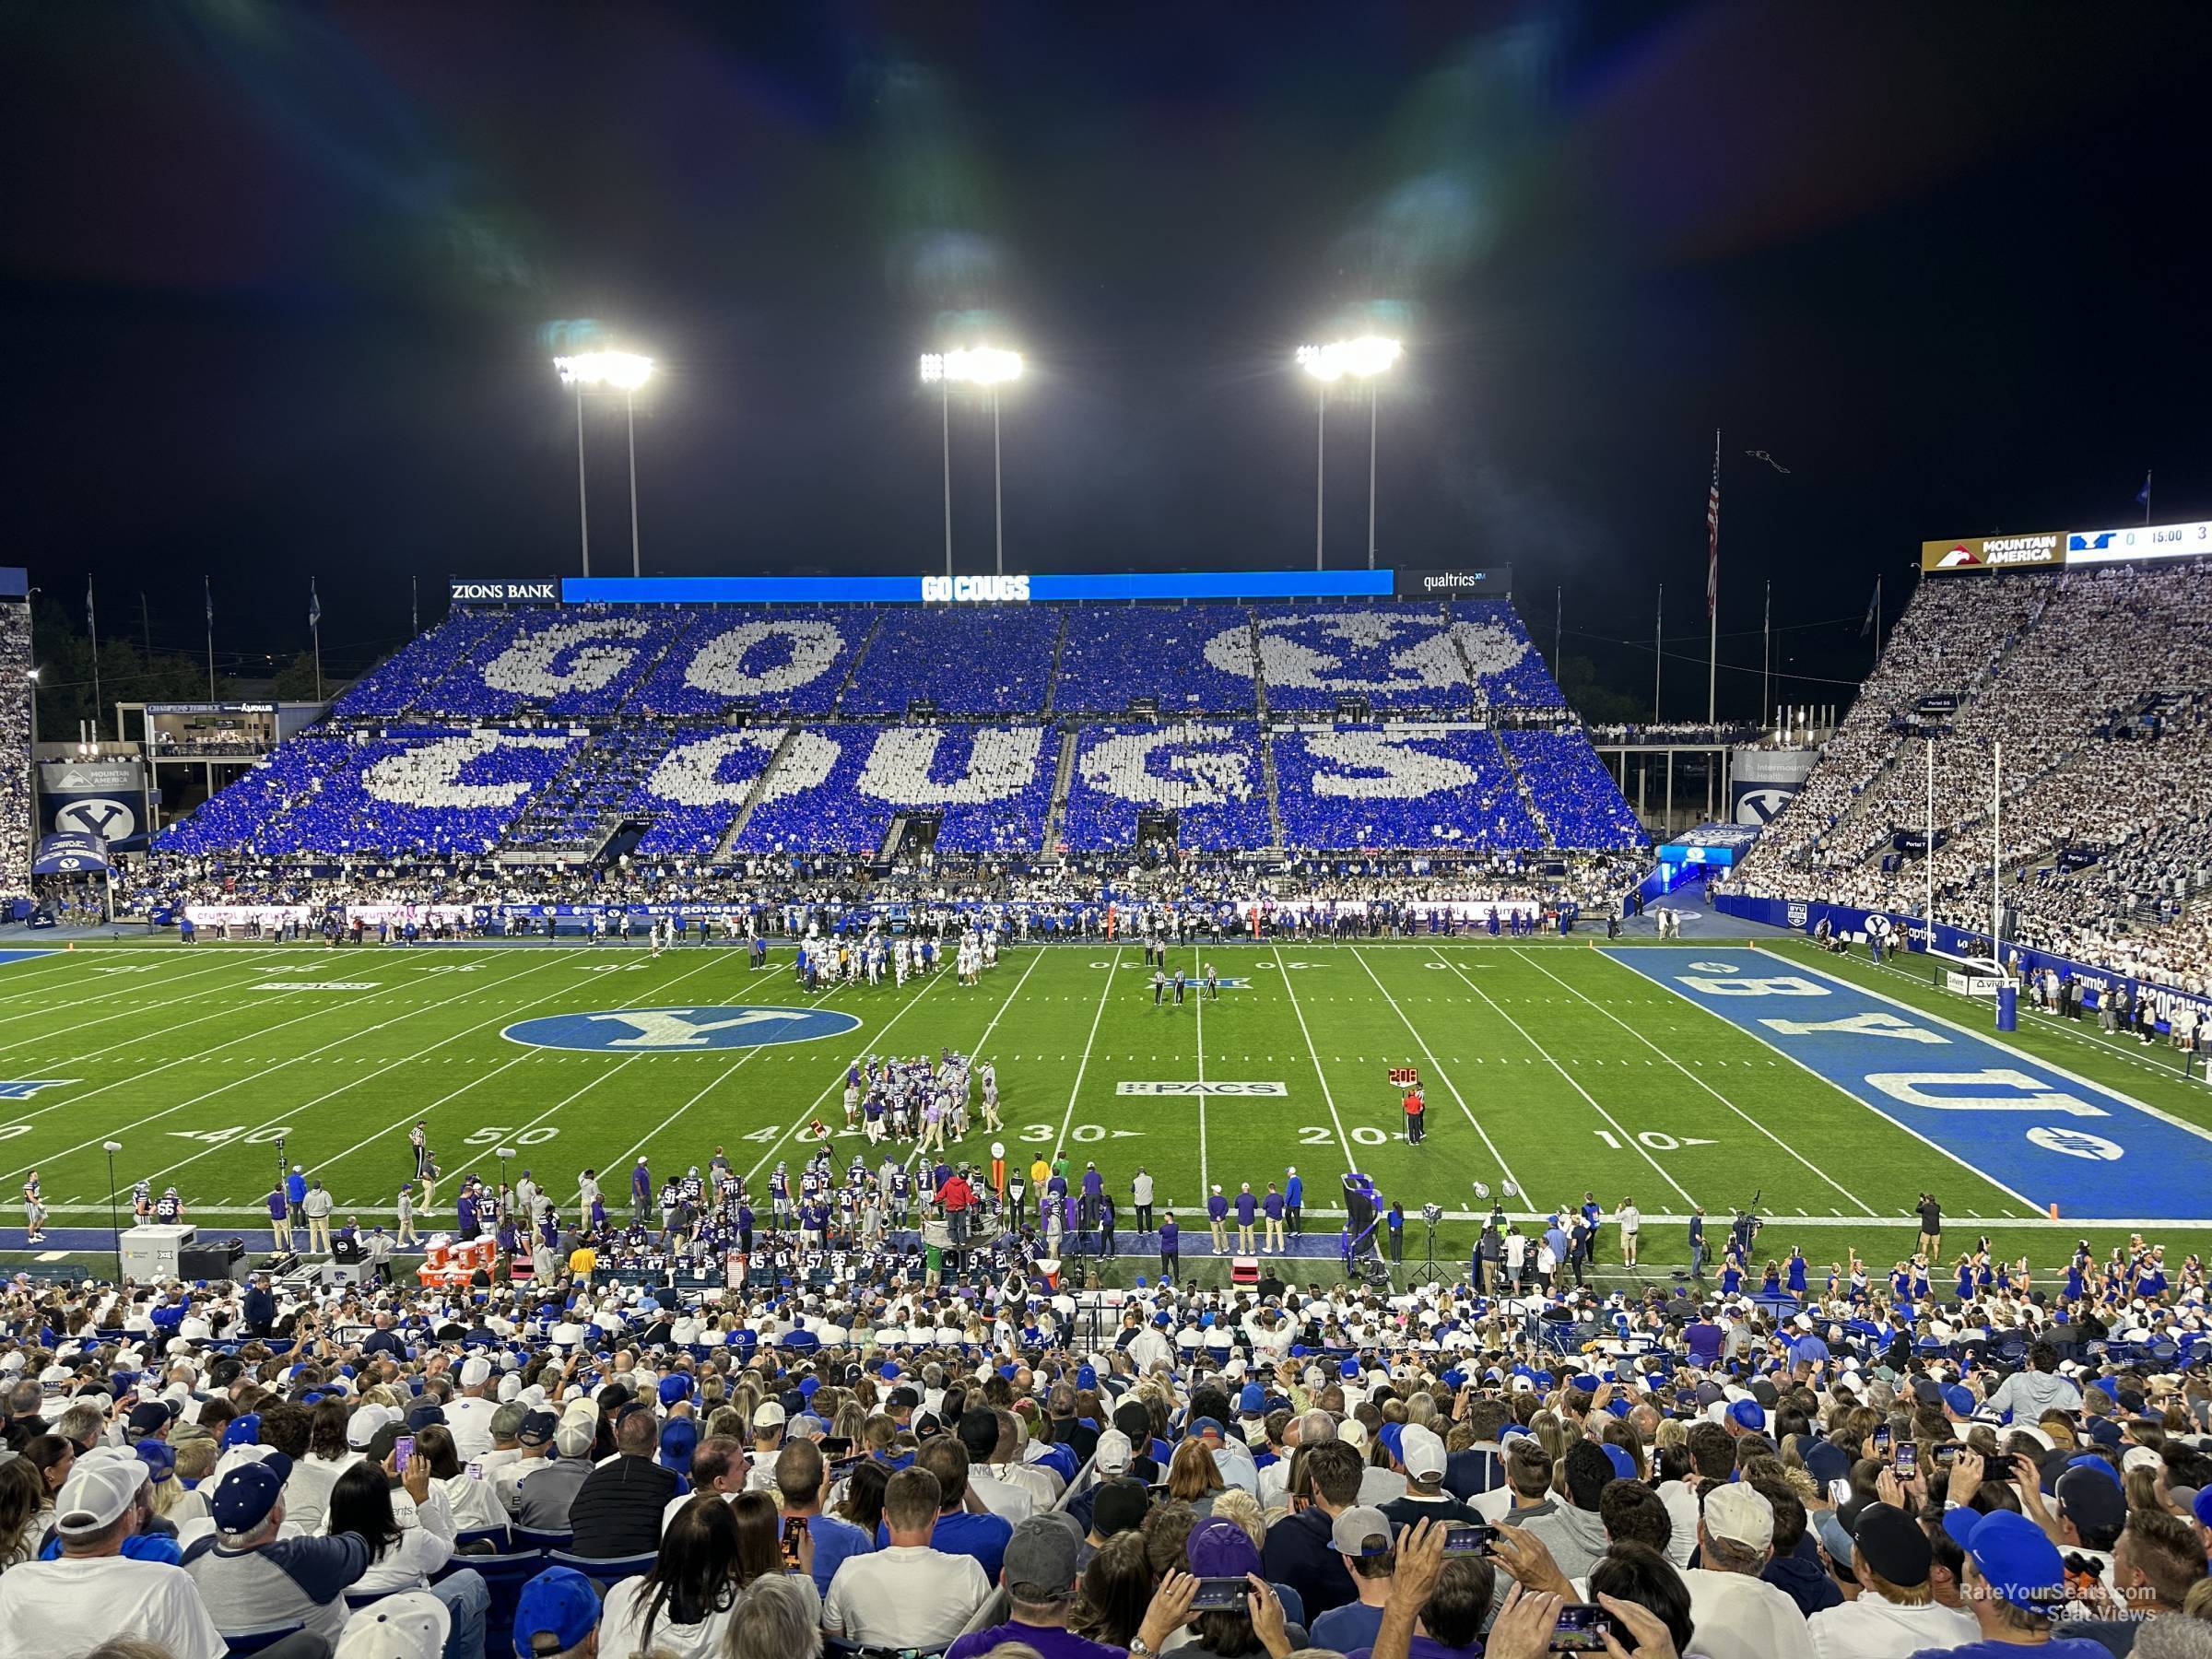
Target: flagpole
314,627
414,604
1878,618
1765,650
207,591
92,629
1658,651
2147,495
1712,589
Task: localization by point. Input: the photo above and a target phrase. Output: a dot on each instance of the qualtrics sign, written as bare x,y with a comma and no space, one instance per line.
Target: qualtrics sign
975,590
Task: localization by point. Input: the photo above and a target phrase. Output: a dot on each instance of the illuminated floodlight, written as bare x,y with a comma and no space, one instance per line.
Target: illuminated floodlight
979,365
624,371
1367,356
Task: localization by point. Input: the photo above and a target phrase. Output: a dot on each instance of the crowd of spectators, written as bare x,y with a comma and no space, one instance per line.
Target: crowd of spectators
1112,654
1400,786
837,788
2090,683
1208,773
974,660
1574,796
788,659
18,832
909,1456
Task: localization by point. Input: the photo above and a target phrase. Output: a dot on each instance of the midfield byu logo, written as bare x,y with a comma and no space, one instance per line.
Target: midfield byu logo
678,1030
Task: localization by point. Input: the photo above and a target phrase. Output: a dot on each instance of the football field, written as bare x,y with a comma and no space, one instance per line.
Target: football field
1701,1074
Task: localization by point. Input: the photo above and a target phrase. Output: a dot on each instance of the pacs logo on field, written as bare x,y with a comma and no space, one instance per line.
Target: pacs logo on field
678,1030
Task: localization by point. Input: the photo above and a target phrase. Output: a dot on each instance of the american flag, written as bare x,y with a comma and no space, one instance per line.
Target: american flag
1713,535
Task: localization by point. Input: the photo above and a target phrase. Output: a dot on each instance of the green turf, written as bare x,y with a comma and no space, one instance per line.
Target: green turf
1546,1062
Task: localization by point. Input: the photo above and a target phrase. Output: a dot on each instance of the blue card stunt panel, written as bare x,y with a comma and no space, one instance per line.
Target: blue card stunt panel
2040,1132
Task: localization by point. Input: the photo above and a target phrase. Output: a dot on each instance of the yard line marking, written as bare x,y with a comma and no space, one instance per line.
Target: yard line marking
1200,990
1439,1069
838,1081
41,989
978,1055
1343,1139
209,1094
1625,1138
124,1013
506,1016
1069,1118
158,1066
1716,1094
2021,1198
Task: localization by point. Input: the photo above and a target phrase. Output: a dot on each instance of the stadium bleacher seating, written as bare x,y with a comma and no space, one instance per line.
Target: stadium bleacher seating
451,793
838,787
698,783
1581,805
988,659
1344,787
614,714
1209,773
1114,653
788,659
18,833
2093,682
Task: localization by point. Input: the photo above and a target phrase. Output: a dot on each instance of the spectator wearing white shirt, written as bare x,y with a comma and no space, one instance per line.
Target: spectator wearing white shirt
1738,1615
1896,1613
719,1465
411,1537
470,1412
93,1591
991,1469
907,1595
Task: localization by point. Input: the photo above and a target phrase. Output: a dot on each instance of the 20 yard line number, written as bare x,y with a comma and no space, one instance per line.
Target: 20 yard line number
1321,1135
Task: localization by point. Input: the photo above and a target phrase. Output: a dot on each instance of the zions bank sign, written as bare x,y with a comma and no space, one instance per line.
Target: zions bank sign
538,591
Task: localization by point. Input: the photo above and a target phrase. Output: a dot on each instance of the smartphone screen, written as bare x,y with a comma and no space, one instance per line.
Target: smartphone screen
835,1446
794,1530
1221,1594
1946,1454
476,1469
1880,1443
1581,1629
402,1450
1474,1538
1908,1460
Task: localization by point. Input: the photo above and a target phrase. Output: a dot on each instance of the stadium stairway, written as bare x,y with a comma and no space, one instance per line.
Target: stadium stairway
1061,779
837,702
1052,684
1275,809
722,854
1521,788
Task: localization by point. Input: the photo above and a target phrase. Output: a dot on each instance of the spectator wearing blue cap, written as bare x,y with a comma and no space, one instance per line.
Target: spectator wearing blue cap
2015,1585
557,1616
250,1579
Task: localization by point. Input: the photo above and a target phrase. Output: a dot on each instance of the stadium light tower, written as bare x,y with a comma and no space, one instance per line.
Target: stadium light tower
988,367
622,372
1364,359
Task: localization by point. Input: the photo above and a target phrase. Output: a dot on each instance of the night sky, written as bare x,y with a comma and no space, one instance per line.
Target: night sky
280,280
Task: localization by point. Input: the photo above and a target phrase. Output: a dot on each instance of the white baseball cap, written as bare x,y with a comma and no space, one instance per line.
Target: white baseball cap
413,1624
